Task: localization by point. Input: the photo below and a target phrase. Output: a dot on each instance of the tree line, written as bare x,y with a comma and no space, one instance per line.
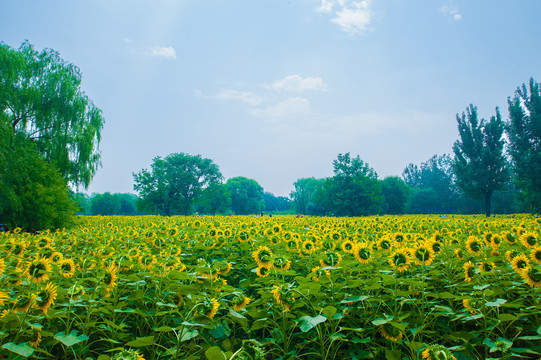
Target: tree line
50,133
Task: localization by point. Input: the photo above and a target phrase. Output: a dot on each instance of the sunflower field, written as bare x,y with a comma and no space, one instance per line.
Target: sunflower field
281,287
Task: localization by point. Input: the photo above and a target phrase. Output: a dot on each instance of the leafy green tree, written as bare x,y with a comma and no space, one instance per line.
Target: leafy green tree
479,162
304,196
127,204
435,177
33,195
214,199
524,133
354,190
105,204
174,182
396,194
83,201
40,96
246,195
275,203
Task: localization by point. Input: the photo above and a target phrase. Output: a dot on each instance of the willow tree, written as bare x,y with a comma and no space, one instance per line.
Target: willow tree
41,96
479,162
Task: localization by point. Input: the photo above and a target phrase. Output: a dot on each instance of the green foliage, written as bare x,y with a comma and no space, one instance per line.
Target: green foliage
174,182
524,133
105,204
479,162
33,195
246,195
396,194
214,199
275,204
434,190
354,190
304,196
40,96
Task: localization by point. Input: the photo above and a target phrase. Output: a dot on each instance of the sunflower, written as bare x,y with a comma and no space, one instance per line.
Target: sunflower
23,302
362,253
292,245
496,241
263,257
308,247
511,254
400,259
262,271
3,297
240,301
209,307
283,296
469,271
510,237
281,263
347,246
223,268
243,236
424,254
38,270
384,244
532,276
474,245
486,266
389,332
67,267
459,253
129,354
437,352
529,239
2,267
467,305
535,254
110,277
520,263
35,338
18,248
331,259
56,257
46,297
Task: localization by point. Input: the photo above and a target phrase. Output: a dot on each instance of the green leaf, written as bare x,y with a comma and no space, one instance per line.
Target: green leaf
307,322
496,303
507,317
329,311
164,329
188,335
215,353
393,354
23,349
141,341
380,321
70,339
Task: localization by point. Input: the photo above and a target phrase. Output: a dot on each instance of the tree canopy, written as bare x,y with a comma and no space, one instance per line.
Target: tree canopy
174,182
246,195
524,133
33,195
479,162
40,96
305,194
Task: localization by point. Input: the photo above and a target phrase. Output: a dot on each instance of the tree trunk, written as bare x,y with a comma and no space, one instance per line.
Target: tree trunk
488,196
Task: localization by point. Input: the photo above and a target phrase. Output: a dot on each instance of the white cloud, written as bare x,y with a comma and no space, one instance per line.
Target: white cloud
297,84
292,107
451,10
353,16
244,96
167,52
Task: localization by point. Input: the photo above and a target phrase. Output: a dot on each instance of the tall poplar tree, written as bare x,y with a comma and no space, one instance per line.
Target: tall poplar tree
479,162
524,132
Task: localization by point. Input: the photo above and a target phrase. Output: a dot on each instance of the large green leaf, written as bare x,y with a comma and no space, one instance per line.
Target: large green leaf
70,339
23,349
141,341
307,322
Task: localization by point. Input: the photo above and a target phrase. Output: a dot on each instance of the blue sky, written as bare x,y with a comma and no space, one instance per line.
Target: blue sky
274,90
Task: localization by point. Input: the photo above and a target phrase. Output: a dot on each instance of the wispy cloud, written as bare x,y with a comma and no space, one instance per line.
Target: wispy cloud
289,108
167,52
296,83
451,10
247,97
353,16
